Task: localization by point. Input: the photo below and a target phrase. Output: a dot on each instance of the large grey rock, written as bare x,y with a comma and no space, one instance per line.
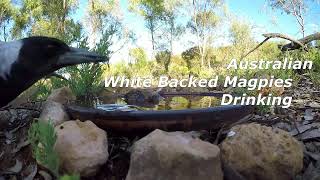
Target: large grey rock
54,112
174,156
82,147
262,153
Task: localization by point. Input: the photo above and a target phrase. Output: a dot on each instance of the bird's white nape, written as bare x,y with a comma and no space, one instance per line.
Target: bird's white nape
9,53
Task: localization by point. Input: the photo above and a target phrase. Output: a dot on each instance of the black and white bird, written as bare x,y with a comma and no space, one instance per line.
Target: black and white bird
24,62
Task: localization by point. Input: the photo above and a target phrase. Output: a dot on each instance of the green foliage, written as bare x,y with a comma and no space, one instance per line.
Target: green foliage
139,57
314,56
86,79
44,88
242,39
42,138
191,56
178,71
7,14
263,109
119,69
164,58
203,23
151,11
148,8
102,14
68,177
314,73
6,10
43,17
205,17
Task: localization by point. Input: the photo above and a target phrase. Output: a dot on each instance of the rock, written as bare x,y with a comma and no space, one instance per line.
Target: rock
62,95
174,156
53,108
82,147
54,112
260,152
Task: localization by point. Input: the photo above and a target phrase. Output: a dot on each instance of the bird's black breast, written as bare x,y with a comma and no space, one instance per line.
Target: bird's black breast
7,92
18,80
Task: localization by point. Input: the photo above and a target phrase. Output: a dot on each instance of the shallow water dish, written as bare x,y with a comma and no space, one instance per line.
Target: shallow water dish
169,120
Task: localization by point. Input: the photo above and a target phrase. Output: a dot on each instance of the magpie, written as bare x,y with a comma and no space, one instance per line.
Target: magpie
25,61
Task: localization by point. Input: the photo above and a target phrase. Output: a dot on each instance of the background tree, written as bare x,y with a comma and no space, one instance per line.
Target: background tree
138,56
241,37
7,14
203,24
170,28
152,12
191,56
163,58
104,17
49,18
296,8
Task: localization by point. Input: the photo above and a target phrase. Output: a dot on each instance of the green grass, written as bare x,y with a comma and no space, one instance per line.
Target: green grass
42,138
68,177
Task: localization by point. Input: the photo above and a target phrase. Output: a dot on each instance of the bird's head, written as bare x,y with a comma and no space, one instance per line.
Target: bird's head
24,62
44,55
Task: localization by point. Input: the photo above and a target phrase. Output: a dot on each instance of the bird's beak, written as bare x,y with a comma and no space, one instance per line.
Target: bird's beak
78,56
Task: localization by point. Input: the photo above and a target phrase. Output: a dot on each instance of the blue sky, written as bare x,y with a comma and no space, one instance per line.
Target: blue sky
274,20
256,12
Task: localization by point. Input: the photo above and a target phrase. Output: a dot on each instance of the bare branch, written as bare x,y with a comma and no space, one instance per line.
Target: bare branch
304,41
294,43
283,36
260,44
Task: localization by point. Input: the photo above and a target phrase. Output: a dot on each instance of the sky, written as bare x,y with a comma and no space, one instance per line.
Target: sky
255,12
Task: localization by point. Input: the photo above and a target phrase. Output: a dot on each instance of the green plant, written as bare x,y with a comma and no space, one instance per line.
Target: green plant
70,177
42,138
263,109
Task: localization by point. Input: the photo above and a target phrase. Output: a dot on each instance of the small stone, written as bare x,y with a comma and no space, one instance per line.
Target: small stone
260,152
174,156
62,95
54,112
82,147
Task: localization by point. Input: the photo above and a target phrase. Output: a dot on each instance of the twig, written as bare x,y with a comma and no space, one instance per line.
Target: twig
216,141
278,35
260,44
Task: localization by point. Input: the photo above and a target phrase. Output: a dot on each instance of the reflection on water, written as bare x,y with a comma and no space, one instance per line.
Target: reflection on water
167,103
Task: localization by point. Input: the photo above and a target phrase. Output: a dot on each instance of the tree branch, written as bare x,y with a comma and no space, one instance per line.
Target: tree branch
296,43
283,36
304,41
